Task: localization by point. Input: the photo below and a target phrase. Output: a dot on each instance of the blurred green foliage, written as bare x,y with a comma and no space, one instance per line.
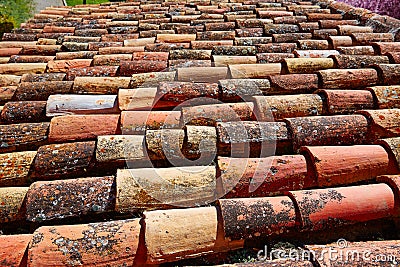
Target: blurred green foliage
17,11
79,2
13,13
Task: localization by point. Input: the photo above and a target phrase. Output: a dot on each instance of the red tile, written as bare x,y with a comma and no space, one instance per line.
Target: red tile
254,71
386,96
384,123
186,54
157,56
327,208
6,52
30,59
118,37
111,60
215,35
23,136
208,115
350,29
55,29
389,74
386,47
252,138
357,163
151,79
100,85
394,57
40,91
95,46
270,108
166,47
291,37
245,218
119,50
236,90
202,74
336,41
392,146
44,50
273,57
24,111
63,160
76,55
265,14
328,130
179,92
289,19
165,144
47,201
200,144
13,250
331,24
369,38
357,50
114,242
137,122
324,33
358,61
82,127
127,68
293,83
347,78
22,68
277,48
261,177
96,71
346,101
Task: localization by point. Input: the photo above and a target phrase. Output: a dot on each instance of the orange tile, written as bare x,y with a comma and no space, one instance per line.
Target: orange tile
82,127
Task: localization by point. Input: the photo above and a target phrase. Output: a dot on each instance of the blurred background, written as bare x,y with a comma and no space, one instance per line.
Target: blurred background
383,7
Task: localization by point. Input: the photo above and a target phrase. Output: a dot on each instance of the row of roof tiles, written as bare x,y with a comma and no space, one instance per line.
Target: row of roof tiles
229,124
158,188
116,40
170,235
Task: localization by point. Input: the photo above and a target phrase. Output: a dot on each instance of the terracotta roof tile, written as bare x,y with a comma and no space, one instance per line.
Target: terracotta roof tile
40,91
116,241
63,160
323,208
329,172
346,101
71,198
215,99
257,177
13,251
19,112
328,130
82,127
248,217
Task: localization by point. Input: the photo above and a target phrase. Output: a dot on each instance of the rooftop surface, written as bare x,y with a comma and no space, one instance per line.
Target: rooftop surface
200,133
